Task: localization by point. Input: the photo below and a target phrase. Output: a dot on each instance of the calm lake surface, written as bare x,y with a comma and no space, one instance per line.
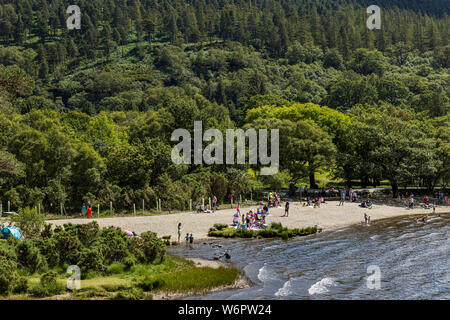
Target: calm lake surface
413,259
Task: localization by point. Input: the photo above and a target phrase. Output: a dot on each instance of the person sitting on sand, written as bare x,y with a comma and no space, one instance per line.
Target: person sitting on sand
411,202
426,200
369,204
354,197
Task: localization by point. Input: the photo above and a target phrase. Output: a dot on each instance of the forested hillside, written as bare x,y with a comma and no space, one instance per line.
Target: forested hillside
87,114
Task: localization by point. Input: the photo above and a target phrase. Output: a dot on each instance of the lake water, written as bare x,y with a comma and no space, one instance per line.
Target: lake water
413,259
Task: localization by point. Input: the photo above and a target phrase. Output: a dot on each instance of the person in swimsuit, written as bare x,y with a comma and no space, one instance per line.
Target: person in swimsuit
179,232
214,204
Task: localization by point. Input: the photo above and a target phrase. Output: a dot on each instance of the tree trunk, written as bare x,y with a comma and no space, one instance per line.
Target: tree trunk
394,189
312,180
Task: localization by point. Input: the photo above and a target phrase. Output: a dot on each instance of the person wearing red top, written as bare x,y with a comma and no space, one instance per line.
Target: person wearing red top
89,210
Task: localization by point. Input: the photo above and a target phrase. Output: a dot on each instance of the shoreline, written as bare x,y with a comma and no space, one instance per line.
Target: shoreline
328,216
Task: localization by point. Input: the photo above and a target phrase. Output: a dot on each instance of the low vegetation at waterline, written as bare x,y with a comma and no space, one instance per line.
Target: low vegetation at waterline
142,281
111,263
276,230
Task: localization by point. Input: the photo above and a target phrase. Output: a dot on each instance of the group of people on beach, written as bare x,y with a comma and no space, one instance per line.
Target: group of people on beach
207,209
189,238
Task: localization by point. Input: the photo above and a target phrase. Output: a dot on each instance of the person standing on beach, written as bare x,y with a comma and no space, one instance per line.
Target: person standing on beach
350,193
341,202
286,209
238,208
83,209
187,238
89,210
231,200
440,197
179,232
214,204
191,240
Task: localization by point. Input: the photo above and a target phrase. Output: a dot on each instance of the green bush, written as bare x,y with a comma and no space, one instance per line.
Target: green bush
130,261
149,283
220,226
153,247
115,268
48,286
30,258
29,221
8,275
48,248
91,259
129,294
20,286
276,225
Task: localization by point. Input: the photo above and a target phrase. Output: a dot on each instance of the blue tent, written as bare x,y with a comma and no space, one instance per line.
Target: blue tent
14,231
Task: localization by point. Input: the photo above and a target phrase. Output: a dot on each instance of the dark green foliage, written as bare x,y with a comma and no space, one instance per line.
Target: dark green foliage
30,258
220,227
8,275
150,283
108,250
87,115
129,294
48,286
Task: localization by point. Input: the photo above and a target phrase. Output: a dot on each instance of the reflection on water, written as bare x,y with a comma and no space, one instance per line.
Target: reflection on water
413,259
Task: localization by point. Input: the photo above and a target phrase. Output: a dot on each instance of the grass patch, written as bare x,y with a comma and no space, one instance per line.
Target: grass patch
193,279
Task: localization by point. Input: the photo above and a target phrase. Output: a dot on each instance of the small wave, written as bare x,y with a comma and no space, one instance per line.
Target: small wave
321,286
406,235
285,290
263,273
375,237
271,247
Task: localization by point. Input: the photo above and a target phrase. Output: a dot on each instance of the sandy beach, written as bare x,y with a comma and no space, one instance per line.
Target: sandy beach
328,216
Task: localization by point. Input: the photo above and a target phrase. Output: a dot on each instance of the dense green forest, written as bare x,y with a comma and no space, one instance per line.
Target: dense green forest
87,115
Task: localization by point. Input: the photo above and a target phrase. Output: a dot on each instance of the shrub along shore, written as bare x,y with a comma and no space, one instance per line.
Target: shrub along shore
112,265
276,230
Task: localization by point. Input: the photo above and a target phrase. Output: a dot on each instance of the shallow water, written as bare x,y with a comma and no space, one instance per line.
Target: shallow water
412,257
